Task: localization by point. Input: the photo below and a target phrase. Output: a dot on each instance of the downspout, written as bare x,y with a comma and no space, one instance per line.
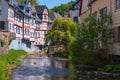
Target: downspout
23,28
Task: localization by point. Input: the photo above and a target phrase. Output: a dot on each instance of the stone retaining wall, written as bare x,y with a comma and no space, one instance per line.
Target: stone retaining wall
4,36
98,75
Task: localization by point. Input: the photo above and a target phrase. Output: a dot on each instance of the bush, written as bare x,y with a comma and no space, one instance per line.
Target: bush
2,43
63,54
111,68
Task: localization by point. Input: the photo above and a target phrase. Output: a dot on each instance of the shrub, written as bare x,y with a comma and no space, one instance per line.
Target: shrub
2,43
63,54
111,68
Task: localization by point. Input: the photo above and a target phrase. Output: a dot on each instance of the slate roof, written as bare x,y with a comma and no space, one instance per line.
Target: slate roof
75,3
54,15
40,8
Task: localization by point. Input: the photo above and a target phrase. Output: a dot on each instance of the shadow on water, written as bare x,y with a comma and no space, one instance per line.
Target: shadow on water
43,68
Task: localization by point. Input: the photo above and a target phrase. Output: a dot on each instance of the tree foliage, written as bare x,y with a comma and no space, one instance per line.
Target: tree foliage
33,2
93,40
62,9
63,32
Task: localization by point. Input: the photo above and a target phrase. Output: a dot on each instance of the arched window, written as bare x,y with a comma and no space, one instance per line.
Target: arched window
75,19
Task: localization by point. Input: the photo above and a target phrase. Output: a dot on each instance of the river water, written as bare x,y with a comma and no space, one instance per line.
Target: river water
41,68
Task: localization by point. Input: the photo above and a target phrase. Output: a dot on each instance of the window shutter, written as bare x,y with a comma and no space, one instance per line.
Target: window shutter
115,36
118,34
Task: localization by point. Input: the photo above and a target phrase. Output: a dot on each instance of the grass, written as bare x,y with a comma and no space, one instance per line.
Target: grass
7,61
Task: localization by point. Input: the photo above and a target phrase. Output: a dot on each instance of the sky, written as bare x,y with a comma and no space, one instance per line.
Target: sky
51,3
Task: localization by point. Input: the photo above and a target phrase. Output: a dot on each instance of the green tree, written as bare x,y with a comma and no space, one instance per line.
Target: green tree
62,32
94,38
61,9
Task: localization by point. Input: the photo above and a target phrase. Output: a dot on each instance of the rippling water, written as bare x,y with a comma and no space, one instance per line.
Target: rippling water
40,68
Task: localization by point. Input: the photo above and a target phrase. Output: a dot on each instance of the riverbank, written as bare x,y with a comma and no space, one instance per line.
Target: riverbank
99,75
10,61
109,72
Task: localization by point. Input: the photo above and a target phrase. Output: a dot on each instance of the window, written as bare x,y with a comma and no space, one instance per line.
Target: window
38,34
75,19
11,26
45,17
103,11
26,32
17,30
32,34
11,14
27,20
117,4
11,1
116,34
20,18
32,22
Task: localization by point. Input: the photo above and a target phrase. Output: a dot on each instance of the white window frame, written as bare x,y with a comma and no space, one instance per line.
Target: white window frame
117,4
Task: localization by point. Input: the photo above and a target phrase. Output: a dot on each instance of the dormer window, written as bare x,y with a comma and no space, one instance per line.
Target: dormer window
11,1
22,7
27,10
45,17
73,8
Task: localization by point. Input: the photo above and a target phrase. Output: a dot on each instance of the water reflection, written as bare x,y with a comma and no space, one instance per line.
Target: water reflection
40,68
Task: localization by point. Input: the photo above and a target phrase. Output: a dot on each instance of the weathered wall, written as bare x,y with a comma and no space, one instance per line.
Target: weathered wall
5,38
110,4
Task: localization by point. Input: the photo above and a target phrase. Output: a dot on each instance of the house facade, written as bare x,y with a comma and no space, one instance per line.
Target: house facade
25,22
111,7
75,10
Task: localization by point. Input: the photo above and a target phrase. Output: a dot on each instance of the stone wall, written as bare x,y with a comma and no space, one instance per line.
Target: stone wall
4,42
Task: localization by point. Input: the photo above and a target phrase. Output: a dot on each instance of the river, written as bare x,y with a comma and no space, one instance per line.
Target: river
41,68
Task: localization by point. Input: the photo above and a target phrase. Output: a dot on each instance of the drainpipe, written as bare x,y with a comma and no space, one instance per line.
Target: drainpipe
23,27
